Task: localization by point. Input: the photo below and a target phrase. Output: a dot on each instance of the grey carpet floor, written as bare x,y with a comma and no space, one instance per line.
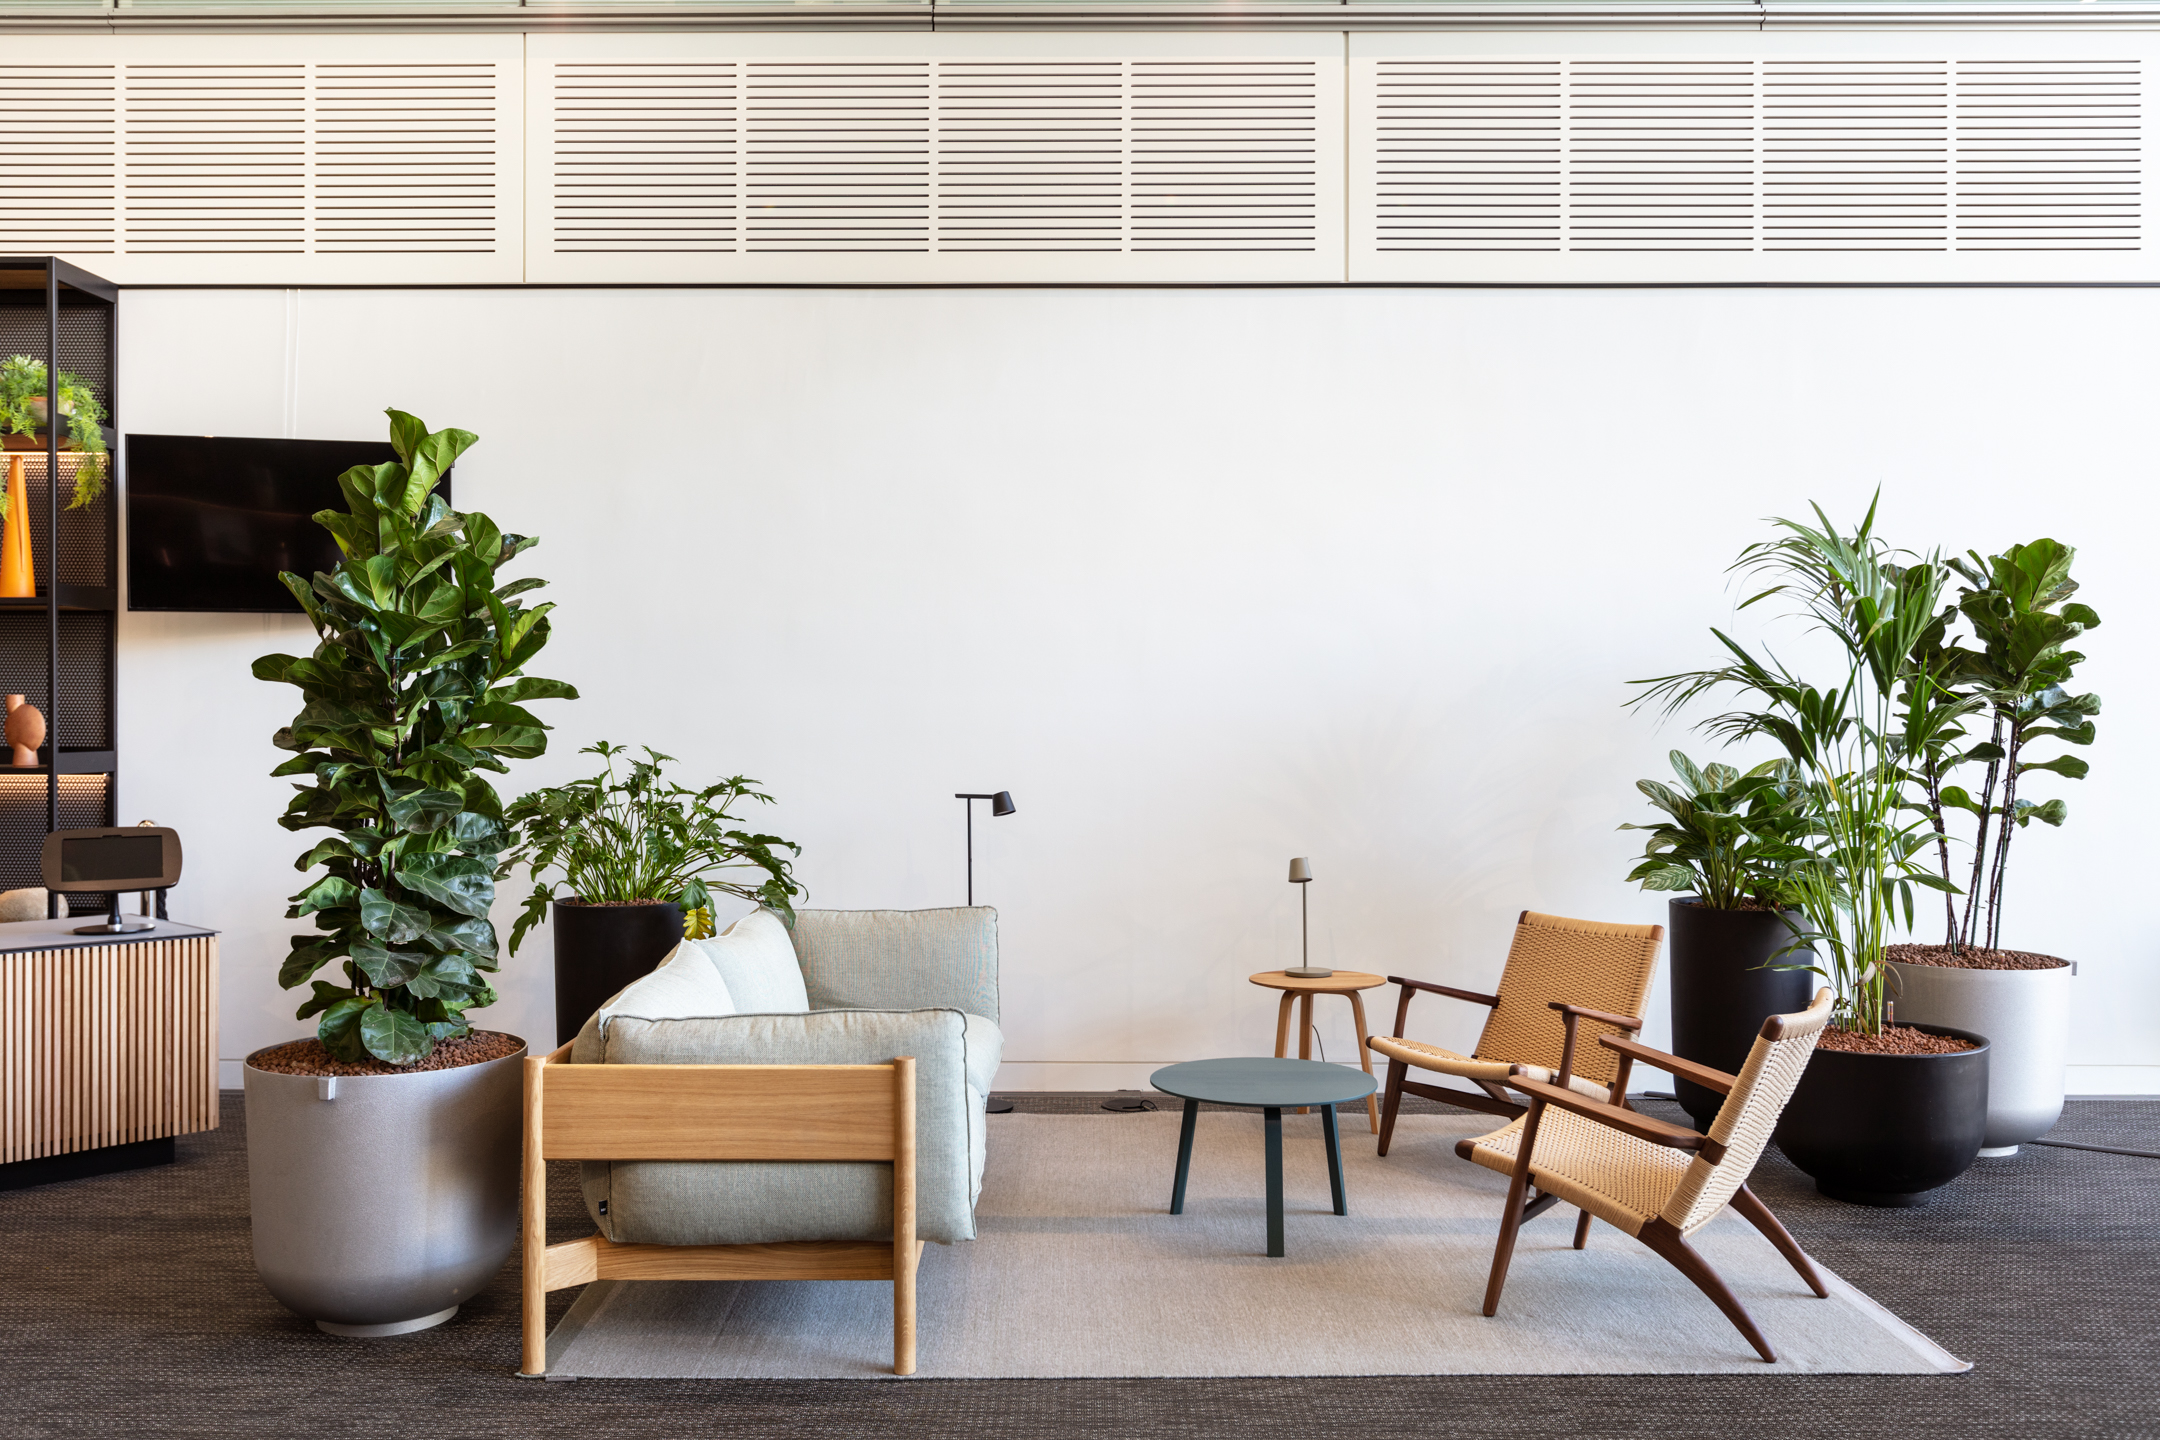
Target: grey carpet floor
1079,1269
131,1308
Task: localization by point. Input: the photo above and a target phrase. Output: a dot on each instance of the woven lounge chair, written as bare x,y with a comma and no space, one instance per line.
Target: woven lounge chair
1658,1182
1559,973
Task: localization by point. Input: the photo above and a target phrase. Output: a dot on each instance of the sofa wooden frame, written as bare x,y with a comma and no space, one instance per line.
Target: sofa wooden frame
718,1112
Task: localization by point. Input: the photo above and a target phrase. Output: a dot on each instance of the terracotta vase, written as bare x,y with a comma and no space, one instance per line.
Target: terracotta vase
18,572
25,730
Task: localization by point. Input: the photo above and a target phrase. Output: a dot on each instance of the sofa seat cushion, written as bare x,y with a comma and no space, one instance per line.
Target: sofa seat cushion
755,959
742,1202
900,959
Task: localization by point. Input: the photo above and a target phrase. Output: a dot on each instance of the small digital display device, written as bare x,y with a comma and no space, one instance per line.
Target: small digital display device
112,861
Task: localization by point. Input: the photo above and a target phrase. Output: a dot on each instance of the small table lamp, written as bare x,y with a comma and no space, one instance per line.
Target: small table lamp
1301,876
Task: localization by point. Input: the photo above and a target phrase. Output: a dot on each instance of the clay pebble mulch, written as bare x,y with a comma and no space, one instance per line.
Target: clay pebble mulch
1973,958
308,1057
1894,1040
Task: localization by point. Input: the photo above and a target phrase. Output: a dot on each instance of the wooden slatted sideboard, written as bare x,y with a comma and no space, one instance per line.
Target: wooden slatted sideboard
108,1047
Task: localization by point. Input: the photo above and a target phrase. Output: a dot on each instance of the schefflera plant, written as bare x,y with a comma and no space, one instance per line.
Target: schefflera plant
414,690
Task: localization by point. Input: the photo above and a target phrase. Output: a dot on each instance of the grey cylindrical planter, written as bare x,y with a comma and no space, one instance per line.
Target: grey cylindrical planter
2025,1014
381,1203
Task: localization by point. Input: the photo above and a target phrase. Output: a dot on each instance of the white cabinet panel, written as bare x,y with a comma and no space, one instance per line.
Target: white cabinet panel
1591,159
260,159
935,159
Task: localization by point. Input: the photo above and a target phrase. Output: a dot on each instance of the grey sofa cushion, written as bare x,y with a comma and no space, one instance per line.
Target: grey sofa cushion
691,1202
900,959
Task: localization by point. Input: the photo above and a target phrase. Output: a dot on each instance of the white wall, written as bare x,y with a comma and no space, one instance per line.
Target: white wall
1207,578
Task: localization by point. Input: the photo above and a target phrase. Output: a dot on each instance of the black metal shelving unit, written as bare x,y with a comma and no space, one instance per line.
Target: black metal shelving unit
58,650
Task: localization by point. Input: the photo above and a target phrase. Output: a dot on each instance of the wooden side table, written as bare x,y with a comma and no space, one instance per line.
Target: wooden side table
1346,983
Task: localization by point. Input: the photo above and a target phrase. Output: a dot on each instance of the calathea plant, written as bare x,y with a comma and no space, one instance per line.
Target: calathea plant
415,688
1731,838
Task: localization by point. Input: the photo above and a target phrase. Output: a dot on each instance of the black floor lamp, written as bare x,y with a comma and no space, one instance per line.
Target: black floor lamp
1000,804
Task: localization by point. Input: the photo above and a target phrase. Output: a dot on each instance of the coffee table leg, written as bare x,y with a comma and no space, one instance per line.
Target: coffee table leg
1184,1156
1334,1159
1274,1182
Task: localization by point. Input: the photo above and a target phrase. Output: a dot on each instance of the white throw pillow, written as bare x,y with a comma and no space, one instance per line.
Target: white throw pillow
682,987
755,959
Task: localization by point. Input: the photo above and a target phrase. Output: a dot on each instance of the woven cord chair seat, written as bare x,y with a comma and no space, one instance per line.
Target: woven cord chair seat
1447,1062
1623,1181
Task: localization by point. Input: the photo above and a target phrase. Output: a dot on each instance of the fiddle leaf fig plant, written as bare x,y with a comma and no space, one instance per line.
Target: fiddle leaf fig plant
416,688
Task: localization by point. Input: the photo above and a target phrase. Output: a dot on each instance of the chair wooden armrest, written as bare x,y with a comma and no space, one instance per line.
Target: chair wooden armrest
1632,1122
1702,1075
1628,1023
1411,987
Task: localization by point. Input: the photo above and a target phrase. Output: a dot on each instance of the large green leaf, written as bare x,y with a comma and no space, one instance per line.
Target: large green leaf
392,921
385,967
419,808
461,882
339,1028
395,1036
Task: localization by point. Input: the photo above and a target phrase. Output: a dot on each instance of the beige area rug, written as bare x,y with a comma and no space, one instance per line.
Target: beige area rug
1082,1271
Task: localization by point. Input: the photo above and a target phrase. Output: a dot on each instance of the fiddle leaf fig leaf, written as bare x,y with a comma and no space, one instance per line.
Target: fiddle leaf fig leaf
386,968
396,1037
392,921
460,882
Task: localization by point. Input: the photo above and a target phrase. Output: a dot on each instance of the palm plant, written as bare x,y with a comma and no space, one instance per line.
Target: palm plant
640,838
1844,741
1731,838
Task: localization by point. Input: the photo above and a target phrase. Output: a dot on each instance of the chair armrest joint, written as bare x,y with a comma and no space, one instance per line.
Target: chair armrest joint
1631,1122
1703,1075
1629,1023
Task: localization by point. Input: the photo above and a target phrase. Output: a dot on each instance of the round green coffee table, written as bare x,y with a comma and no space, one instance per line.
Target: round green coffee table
1270,1086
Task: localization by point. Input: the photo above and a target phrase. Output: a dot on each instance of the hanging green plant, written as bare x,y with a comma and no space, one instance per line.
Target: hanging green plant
414,690
23,395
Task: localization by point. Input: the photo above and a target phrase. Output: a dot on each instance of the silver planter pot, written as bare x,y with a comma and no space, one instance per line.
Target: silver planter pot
383,1202
2025,1014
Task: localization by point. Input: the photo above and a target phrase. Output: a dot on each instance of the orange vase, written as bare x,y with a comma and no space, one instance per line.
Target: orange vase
18,573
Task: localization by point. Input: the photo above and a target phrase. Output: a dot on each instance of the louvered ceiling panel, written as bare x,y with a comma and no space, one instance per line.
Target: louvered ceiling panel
1032,156
1645,159
890,158
1225,155
837,154
58,190
647,157
2049,155
216,160
267,159
1467,155
407,159
1661,155
1856,155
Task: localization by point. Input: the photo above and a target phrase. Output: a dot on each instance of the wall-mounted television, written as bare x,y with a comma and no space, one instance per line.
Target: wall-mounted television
212,519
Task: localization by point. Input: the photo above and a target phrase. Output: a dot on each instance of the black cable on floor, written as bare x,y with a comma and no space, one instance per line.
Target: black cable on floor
2096,1149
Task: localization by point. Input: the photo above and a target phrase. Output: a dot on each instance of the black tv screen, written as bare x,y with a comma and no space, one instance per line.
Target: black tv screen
212,519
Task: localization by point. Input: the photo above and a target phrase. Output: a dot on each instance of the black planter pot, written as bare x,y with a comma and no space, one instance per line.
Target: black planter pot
1885,1129
1722,992
601,948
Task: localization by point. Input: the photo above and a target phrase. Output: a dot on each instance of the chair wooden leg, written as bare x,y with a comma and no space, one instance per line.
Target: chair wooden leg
1663,1237
1582,1230
1511,1222
1397,1072
1758,1214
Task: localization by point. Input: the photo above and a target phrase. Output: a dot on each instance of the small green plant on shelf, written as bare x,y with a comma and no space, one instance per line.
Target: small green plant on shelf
22,412
639,837
415,688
